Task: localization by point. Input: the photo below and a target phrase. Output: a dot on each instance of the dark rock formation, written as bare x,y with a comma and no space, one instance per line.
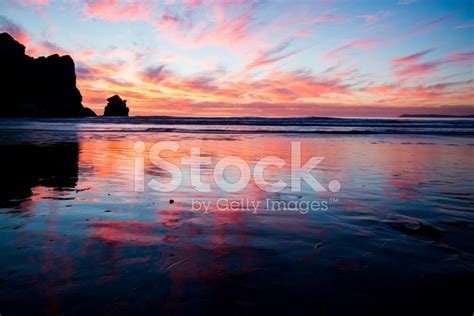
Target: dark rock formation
55,166
45,86
116,107
88,112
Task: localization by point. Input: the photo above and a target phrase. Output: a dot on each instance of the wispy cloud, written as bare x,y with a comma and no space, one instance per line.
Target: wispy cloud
167,19
428,25
374,17
31,2
155,73
410,66
271,56
357,43
466,25
410,59
417,70
406,2
115,10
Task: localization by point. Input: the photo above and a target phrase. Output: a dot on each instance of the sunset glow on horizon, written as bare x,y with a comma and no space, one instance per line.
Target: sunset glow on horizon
270,58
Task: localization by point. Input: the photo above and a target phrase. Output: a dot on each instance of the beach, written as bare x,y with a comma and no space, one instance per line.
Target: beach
78,237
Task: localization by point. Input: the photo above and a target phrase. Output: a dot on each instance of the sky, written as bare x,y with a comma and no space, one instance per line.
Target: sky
266,58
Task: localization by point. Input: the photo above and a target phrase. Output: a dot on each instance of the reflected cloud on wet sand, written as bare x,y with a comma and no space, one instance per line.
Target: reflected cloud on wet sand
78,237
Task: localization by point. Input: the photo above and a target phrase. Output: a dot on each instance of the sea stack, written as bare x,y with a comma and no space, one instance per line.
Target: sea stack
39,87
116,107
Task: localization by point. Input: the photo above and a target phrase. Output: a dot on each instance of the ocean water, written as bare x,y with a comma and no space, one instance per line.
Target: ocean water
223,125
76,237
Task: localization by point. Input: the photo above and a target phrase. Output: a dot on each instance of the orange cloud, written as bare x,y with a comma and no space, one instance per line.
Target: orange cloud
298,92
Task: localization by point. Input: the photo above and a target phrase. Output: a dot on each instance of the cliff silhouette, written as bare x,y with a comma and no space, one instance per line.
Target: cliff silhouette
37,87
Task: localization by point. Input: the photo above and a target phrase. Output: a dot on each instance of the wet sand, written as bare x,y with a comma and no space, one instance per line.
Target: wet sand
77,239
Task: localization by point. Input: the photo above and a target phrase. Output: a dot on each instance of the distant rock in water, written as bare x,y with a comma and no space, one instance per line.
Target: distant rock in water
116,107
39,87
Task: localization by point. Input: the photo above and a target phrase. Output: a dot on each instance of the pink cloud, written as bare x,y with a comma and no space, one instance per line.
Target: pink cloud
167,19
277,93
45,48
301,33
33,2
184,30
155,74
371,18
396,94
114,10
270,57
358,43
193,3
276,87
407,66
410,59
232,24
411,93
417,69
231,30
305,25
459,57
